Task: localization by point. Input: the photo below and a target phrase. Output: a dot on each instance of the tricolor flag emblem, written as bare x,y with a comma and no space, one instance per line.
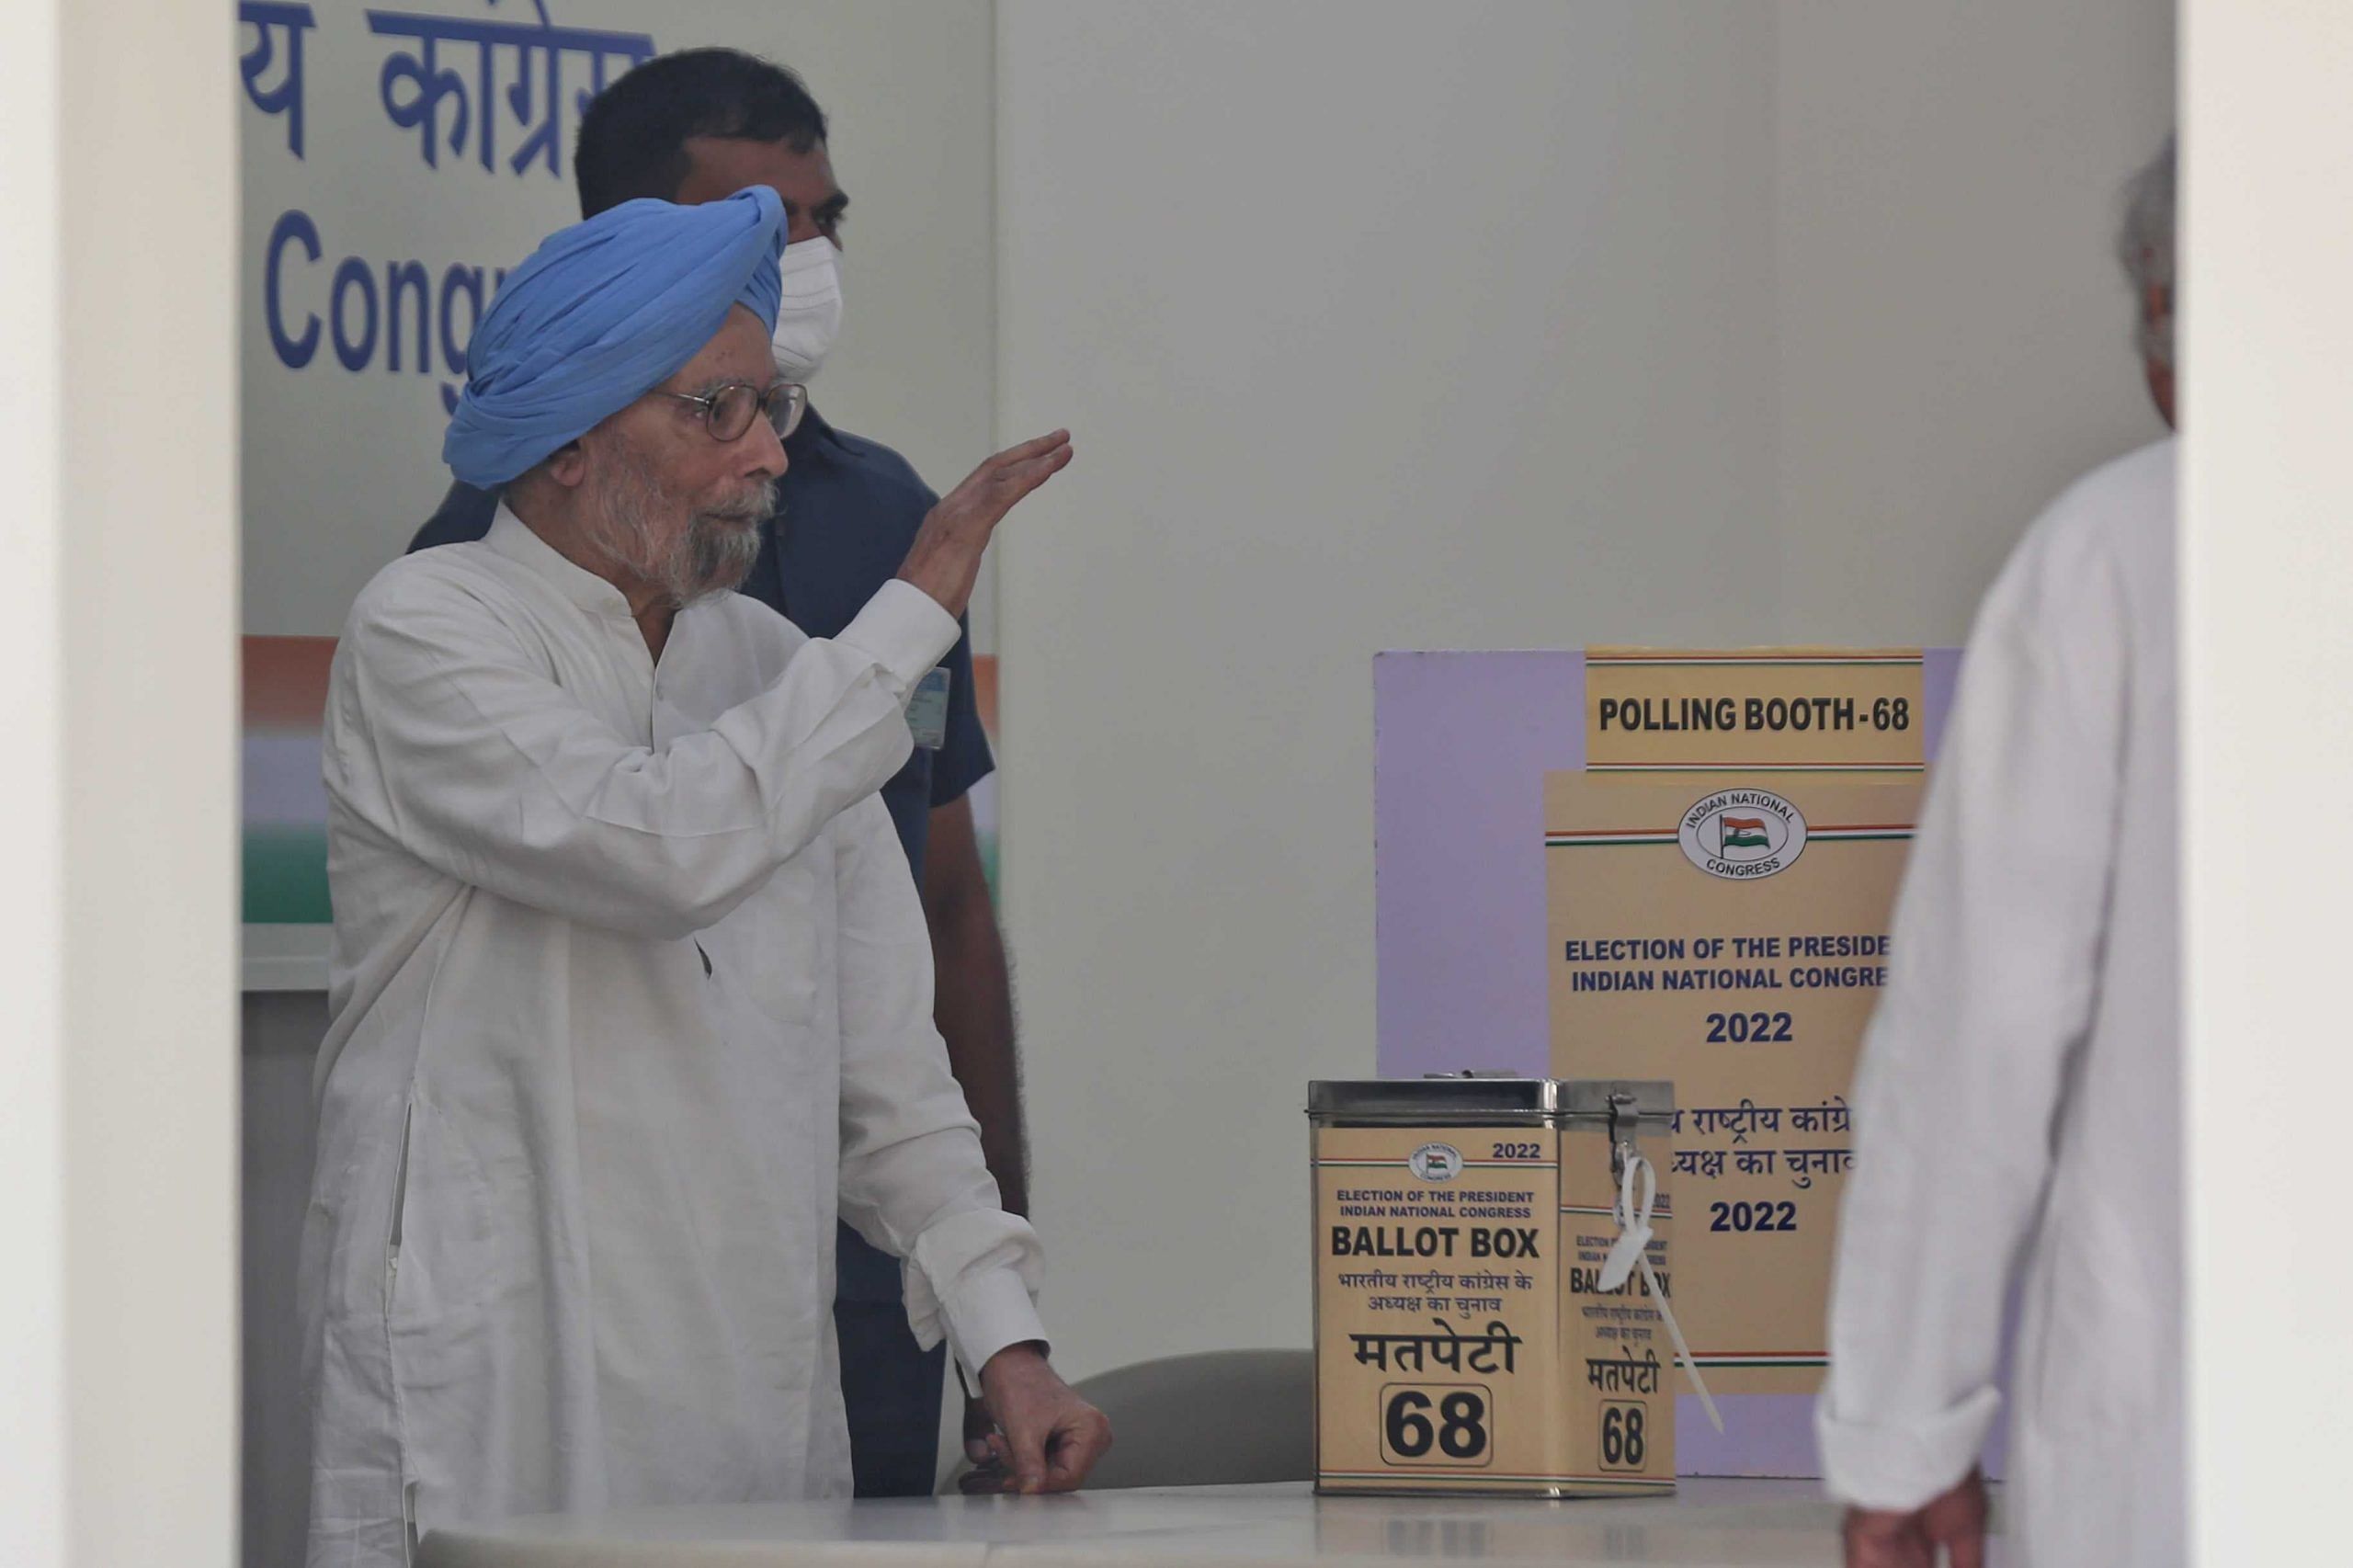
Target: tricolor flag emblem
1741,832
285,799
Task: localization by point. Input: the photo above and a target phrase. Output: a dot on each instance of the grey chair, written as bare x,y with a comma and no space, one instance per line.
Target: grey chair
1219,1418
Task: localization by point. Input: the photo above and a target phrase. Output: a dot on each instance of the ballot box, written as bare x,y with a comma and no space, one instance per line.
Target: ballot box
1469,1338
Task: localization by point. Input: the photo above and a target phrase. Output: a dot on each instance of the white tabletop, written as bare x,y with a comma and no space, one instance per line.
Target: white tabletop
1706,1524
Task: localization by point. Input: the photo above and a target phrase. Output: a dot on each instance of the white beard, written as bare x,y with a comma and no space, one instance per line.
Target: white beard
711,553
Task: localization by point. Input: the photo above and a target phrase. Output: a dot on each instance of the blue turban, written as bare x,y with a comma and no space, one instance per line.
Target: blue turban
602,313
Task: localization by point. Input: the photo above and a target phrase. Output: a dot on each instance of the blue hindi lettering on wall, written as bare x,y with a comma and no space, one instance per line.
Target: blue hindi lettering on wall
277,25
416,87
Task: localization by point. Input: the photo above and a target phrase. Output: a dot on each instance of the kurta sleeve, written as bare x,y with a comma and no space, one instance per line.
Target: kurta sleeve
491,772
913,1181
1997,938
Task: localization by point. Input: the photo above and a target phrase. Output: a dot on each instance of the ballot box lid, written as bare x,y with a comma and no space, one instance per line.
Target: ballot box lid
1454,1099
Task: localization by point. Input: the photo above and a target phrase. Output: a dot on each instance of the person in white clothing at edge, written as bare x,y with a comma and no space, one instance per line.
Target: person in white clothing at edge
631,993
2016,1107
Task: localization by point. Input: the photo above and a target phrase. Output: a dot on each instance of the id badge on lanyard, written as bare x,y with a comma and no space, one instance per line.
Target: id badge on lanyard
928,710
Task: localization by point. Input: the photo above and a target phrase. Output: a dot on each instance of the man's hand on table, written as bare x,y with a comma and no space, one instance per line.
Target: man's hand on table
1047,1438
1954,1520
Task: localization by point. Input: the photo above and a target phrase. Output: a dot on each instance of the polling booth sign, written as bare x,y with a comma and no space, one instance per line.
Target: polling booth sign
1764,710
1719,878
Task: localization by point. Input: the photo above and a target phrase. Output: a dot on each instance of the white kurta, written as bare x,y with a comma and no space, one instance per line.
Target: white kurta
630,996
2018,1091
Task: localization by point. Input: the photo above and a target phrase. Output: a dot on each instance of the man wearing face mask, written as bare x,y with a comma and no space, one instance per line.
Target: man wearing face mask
694,128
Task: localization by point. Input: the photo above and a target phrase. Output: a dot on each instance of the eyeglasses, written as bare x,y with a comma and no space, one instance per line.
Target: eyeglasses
727,412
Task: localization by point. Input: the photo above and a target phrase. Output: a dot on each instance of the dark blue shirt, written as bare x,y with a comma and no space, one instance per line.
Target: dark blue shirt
847,512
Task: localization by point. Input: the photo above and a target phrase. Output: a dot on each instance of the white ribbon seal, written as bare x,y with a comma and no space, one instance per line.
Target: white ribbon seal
1631,1250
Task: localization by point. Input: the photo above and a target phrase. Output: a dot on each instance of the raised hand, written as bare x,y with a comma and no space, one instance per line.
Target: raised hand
946,557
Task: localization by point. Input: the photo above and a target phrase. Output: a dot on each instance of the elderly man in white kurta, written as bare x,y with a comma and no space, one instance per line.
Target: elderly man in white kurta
630,991
2019,1092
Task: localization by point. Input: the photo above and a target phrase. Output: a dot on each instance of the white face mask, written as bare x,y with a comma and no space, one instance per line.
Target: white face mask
809,316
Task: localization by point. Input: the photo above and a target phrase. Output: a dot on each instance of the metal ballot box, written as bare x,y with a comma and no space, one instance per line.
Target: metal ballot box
1462,1344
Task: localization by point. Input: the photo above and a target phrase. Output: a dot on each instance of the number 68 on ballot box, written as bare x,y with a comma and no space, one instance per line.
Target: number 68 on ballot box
1464,1340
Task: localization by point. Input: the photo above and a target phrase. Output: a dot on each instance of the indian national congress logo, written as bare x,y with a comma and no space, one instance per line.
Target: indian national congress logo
1437,1162
1741,835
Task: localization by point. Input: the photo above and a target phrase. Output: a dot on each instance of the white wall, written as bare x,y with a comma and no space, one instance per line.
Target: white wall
117,637
150,624
1485,325
33,1430
2267,751
1953,334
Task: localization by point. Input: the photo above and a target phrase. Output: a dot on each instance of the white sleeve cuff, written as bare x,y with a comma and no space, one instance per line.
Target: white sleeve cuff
988,1312
904,629
1901,1466
973,1278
